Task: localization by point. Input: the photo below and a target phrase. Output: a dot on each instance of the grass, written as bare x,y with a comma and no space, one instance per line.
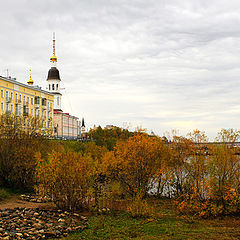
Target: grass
166,224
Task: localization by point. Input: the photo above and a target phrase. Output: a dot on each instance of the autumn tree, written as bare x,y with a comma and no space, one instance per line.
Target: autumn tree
136,161
65,178
180,153
18,144
197,168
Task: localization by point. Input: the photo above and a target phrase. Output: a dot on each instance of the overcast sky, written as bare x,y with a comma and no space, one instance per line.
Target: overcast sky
158,64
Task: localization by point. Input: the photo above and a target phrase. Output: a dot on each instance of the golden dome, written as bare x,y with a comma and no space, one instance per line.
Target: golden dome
53,58
30,81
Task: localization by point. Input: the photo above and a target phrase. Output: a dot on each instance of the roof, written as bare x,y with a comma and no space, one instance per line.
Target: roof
53,73
83,124
33,87
66,114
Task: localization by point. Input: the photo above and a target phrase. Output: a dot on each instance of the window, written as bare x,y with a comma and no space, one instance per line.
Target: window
7,107
38,112
44,101
57,87
6,94
49,87
11,95
32,101
24,99
2,93
11,108
32,111
16,97
2,106
37,100
52,86
57,100
27,100
20,97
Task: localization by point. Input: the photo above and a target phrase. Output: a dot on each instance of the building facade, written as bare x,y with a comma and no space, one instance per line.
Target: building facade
27,100
65,125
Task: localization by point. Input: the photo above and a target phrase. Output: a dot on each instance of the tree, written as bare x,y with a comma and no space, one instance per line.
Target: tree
136,162
65,178
18,144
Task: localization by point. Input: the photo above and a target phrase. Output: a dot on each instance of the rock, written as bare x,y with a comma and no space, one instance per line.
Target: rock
23,223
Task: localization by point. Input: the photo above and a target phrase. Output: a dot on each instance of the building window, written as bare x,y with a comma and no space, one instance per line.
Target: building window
2,93
11,108
32,111
52,86
27,100
44,101
2,106
7,107
6,94
57,100
16,97
37,100
20,97
49,87
38,112
57,87
24,99
11,95
32,101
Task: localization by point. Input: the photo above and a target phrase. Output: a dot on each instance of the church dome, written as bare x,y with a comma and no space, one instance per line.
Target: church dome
53,74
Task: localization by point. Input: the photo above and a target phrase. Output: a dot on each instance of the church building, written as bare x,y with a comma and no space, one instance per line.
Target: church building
66,126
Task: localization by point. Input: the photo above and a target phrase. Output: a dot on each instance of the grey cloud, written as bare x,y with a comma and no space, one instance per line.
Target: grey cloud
162,64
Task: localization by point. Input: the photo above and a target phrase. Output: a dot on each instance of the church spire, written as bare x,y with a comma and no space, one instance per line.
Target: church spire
83,124
53,59
30,81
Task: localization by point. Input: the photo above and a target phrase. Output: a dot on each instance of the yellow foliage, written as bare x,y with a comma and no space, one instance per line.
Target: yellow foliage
65,178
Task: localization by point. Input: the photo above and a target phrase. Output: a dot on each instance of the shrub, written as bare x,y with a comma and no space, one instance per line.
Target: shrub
18,145
65,178
139,207
4,194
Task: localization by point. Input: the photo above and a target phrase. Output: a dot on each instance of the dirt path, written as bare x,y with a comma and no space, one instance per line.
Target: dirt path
14,202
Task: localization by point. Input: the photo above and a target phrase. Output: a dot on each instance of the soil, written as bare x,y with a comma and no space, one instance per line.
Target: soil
14,202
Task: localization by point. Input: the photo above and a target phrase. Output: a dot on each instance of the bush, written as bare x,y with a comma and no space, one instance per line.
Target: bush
4,194
139,207
18,145
65,178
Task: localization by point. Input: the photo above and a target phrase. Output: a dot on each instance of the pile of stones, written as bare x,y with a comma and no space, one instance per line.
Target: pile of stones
27,223
34,198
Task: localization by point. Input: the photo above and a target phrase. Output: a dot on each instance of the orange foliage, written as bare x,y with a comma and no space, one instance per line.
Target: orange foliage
135,162
65,178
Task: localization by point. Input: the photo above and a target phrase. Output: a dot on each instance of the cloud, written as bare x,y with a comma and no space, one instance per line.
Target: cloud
159,64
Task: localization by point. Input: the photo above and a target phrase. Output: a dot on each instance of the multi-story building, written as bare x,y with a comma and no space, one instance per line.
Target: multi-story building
65,125
27,100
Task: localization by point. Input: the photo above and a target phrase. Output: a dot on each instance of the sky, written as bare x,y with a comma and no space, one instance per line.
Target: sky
154,64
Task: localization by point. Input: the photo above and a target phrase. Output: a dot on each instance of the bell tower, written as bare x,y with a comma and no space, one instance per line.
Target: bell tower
54,80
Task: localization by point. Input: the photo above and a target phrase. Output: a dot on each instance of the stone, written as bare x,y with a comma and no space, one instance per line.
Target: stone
23,223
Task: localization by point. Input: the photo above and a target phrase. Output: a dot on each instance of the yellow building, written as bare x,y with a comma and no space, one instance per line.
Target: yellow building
27,100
